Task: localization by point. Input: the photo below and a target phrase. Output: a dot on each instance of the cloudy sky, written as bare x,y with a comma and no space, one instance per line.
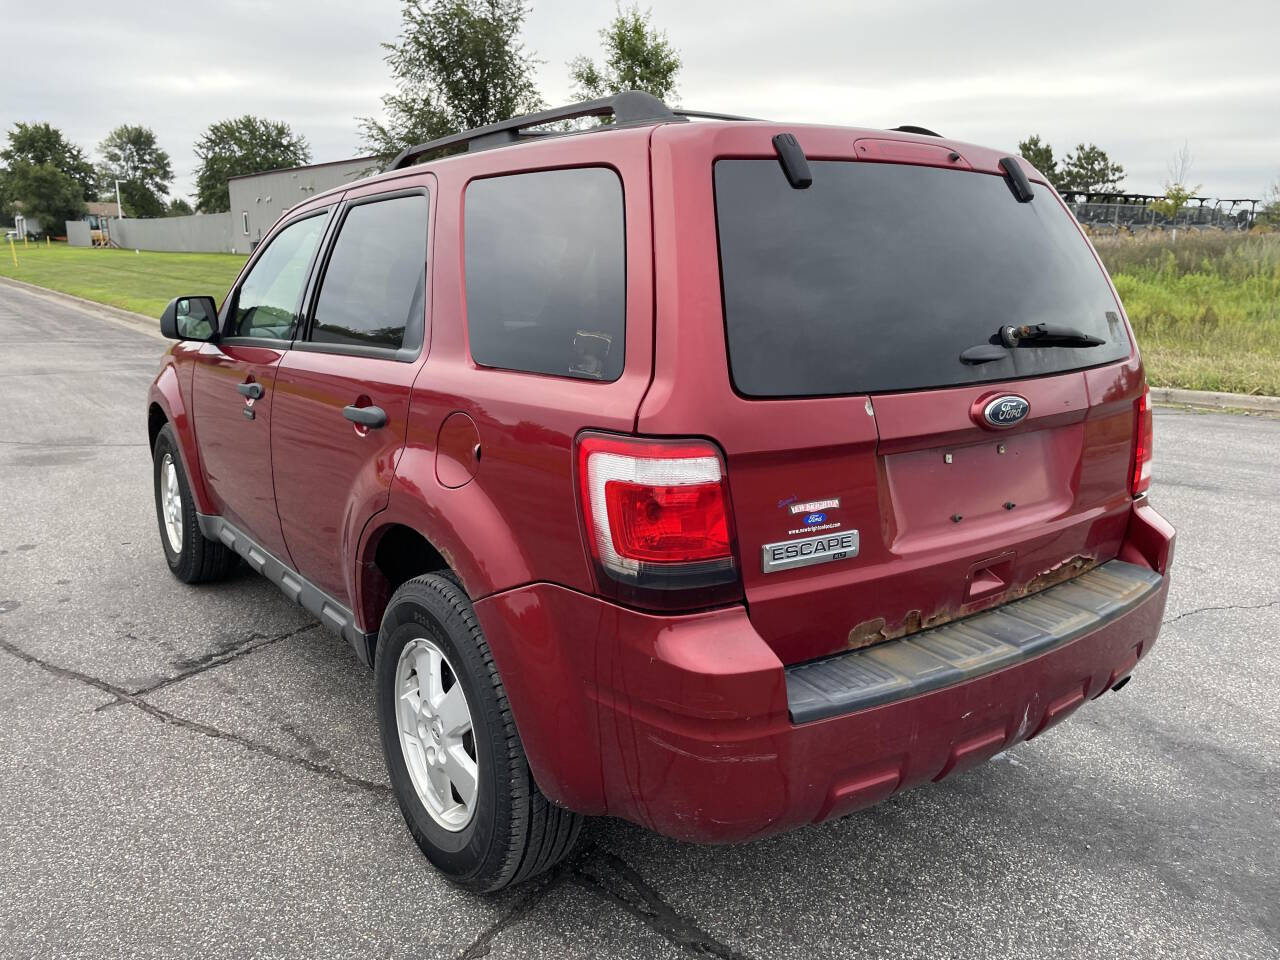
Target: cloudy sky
1137,78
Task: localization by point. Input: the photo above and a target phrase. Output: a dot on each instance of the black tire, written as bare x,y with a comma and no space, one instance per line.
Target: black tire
514,833
200,559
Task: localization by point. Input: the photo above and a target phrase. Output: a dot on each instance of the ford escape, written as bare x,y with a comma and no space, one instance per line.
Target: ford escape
721,475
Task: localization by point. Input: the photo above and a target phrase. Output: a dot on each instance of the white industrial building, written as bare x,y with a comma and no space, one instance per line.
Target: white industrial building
258,199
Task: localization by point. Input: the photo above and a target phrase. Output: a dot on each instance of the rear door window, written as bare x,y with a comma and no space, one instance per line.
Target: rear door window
546,272
879,275
374,286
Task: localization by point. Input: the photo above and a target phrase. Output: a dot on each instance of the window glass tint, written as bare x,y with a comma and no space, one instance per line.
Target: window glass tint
375,283
877,276
546,272
267,302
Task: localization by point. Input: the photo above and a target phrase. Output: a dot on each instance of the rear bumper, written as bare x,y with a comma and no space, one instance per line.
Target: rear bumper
685,724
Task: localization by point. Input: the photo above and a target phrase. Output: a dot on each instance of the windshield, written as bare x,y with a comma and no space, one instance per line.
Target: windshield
879,275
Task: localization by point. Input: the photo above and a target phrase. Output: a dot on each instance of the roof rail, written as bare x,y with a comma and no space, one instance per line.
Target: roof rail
707,115
629,108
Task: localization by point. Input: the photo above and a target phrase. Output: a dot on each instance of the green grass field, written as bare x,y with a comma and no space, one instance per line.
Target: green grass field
142,282
1206,309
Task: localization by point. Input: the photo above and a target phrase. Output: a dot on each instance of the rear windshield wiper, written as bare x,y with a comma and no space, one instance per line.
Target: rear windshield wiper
1029,335
1047,335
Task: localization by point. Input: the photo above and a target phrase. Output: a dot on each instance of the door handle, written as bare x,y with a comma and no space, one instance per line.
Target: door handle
371,417
251,390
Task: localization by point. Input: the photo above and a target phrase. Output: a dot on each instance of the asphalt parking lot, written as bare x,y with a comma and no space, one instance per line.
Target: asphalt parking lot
196,771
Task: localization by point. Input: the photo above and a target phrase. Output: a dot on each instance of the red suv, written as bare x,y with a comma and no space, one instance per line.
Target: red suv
724,476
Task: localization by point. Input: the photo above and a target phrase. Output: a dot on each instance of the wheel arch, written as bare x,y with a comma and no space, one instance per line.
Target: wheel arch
165,405
426,527
440,534
391,553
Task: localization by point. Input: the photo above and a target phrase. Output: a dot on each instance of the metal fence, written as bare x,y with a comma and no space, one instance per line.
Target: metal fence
197,233
1134,217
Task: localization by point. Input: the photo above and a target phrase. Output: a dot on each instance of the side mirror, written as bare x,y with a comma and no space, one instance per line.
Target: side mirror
190,318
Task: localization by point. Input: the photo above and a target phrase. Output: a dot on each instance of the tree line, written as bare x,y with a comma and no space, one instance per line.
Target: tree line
1087,169
456,64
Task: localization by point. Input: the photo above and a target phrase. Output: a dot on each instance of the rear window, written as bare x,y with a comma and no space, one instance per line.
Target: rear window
546,272
877,276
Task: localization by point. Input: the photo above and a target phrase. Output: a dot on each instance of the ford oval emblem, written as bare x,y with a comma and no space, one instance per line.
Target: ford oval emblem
1006,411
813,518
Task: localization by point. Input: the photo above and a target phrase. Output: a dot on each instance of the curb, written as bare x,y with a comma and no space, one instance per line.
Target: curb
1209,400
138,321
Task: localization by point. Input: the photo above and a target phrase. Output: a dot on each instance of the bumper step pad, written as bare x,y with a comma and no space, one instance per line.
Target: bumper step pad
967,648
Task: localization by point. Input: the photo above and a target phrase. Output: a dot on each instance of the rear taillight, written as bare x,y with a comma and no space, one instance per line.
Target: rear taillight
1140,476
657,520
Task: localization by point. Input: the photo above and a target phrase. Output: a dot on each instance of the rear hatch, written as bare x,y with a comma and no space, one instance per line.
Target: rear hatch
872,495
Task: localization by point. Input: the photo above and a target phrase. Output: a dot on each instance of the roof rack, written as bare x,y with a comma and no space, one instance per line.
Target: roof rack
629,108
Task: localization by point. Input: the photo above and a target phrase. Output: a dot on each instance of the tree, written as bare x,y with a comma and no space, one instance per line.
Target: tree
1040,156
44,175
248,144
1089,170
178,207
130,155
1270,212
637,57
1176,191
46,194
38,144
457,64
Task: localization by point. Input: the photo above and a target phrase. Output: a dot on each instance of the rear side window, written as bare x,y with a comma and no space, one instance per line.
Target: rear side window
877,276
375,283
546,272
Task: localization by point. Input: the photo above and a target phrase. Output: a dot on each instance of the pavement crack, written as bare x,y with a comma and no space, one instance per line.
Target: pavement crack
210,660
1229,606
634,895
521,908
195,726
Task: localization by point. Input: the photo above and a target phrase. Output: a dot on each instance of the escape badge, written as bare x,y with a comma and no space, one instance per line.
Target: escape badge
787,554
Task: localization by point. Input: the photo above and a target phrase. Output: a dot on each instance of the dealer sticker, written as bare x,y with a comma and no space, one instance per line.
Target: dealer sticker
812,506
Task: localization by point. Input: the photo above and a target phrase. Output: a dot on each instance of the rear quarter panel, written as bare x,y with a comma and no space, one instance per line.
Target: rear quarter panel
516,521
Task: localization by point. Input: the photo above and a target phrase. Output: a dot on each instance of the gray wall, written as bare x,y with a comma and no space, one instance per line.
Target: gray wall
78,234
198,233
260,198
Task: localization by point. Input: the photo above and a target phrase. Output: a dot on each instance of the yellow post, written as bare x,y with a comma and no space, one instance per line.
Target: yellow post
47,241
13,250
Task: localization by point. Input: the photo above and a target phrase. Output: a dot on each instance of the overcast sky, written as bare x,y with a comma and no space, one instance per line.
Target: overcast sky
1137,78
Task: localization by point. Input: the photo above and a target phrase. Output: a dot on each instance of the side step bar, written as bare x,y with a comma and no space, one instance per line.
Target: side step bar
292,584
967,648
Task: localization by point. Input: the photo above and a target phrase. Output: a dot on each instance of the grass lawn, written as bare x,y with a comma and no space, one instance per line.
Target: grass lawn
1206,308
142,282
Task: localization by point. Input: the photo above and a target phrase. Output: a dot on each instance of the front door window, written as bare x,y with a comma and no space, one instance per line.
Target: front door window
269,298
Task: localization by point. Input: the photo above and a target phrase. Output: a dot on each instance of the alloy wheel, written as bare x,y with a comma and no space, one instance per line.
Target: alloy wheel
171,502
433,720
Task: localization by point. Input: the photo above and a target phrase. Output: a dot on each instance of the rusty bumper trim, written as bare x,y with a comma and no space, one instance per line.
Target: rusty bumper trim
969,648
